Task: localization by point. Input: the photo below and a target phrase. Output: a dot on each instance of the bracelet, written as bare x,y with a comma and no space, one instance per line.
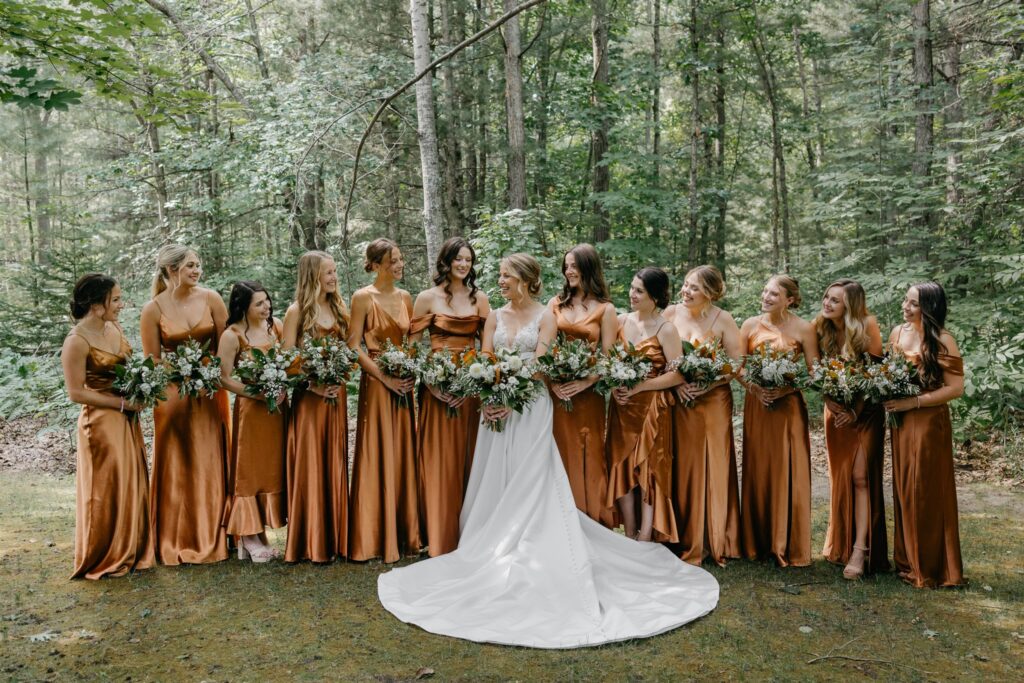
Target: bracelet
919,402
122,404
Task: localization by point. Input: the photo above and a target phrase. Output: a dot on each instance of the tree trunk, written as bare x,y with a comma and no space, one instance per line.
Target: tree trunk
722,199
426,130
656,95
41,181
257,44
809,145
392,189
516,159
452,152
540,175
601,176
954,111
695,130
925,120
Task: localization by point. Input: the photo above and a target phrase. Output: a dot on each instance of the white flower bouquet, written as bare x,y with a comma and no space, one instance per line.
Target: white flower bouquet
893,377
266,374
193,368
502,378
838,379
141,380
401,362
440,370
327,361
770,368
703,364
622,366
568,360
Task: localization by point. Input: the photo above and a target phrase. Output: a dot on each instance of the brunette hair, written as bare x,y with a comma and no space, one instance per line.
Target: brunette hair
449,251
169,258
710,280
241,298
790,286
931,298
376,251
657,284
90,289
588,263
527,269
854,342
307,290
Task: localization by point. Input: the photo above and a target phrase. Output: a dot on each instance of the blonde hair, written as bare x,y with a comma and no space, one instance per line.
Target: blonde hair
376,251
710,281
307,291
790,286
168,259
855,316
527,269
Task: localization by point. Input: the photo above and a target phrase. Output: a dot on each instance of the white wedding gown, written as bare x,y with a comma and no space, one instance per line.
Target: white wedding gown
530,568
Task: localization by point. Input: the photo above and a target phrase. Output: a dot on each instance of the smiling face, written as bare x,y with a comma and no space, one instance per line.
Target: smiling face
259,307
190,270
774,298
833,304
511,286
694,297
639,300
571,270
912,306
109,311
328,276
394,263
462,264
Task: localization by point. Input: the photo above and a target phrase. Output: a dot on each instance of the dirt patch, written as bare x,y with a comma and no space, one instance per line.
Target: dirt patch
28,445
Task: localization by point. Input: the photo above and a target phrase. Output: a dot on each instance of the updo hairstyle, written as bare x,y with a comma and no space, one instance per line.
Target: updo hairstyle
710,281
91,289
790,286
376,251
657,284
527,269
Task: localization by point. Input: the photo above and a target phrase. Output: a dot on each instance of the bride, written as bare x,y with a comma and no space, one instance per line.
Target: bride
530,569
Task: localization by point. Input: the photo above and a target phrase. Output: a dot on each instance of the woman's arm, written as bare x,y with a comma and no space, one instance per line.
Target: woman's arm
227,351
219,311
149,329
73,356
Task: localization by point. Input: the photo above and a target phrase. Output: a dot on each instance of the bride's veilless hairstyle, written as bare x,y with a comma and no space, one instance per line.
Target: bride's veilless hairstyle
931,297
449,251
790,286
527,269
376,251
854,341
90,289
588,263
307,291
657,284
241,298
169,259
710,281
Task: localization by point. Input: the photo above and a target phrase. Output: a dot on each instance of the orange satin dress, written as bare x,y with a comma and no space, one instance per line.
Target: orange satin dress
385,519
776,518
444,445
706,491
580,434
926,535
865,436
256,497
317,473
112,530
188,489
639,447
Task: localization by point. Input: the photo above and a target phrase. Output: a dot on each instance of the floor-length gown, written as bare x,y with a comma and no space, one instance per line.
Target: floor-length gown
112,530
776,517
926,524
256,491
533,570
444,445
188,489
385,519
579,433
317,472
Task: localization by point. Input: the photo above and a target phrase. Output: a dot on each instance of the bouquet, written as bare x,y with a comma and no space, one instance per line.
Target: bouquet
893,377
772,369
838,379
193,368
401,362
265,373
140,380
566,361
328,361
622,366
440,369
702,364
502,378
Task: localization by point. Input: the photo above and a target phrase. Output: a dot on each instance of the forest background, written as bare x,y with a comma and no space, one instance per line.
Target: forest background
876,139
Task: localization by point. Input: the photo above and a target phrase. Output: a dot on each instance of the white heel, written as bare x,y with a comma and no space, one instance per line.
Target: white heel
243,554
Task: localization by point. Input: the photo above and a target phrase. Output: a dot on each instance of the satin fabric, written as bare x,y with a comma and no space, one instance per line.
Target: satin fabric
444,445
531,569
188,490
926,536
385,519
580,433
639,447
867,436
256,497
317,474
112,530
776,517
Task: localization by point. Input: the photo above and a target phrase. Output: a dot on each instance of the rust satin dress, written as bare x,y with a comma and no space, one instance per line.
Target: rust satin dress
580,434
444,445
256,497
112,530
926,535
639,447
317,473
385,518
867,436
776,518
188,489
706,492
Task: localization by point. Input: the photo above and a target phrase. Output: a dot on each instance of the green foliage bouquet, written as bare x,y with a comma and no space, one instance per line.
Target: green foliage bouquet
327,361
193,368
141,380
702,364
892,378
503,378
622,366
568,360
266,374
838,379
440,370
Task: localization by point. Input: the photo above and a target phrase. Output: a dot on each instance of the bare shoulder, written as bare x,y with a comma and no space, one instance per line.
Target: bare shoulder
749,324
949,342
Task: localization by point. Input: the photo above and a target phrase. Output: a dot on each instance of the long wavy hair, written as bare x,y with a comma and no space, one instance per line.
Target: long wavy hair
169,259
449,251
931,298
853,342
307,291
240,300
588,263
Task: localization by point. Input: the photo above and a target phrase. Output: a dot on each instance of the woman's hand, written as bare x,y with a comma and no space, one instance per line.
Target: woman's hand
567,390
901,405
326,391
690,392
496,413
398,386
769,396
841,414
622,395
132,407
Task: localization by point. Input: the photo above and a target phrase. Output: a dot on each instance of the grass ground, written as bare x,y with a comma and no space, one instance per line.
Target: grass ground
241,622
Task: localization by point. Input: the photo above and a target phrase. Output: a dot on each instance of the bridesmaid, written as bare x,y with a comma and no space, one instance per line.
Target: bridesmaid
639,438
317,451
112,532
855,439
584,311
926,535
706,493
256,497
188,490
453,312
385,507
776,519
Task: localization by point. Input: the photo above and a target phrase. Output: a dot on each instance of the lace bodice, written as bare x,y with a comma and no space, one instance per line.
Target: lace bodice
525,341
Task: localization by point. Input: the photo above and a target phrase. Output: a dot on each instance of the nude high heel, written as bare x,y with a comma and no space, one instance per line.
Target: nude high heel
854,570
